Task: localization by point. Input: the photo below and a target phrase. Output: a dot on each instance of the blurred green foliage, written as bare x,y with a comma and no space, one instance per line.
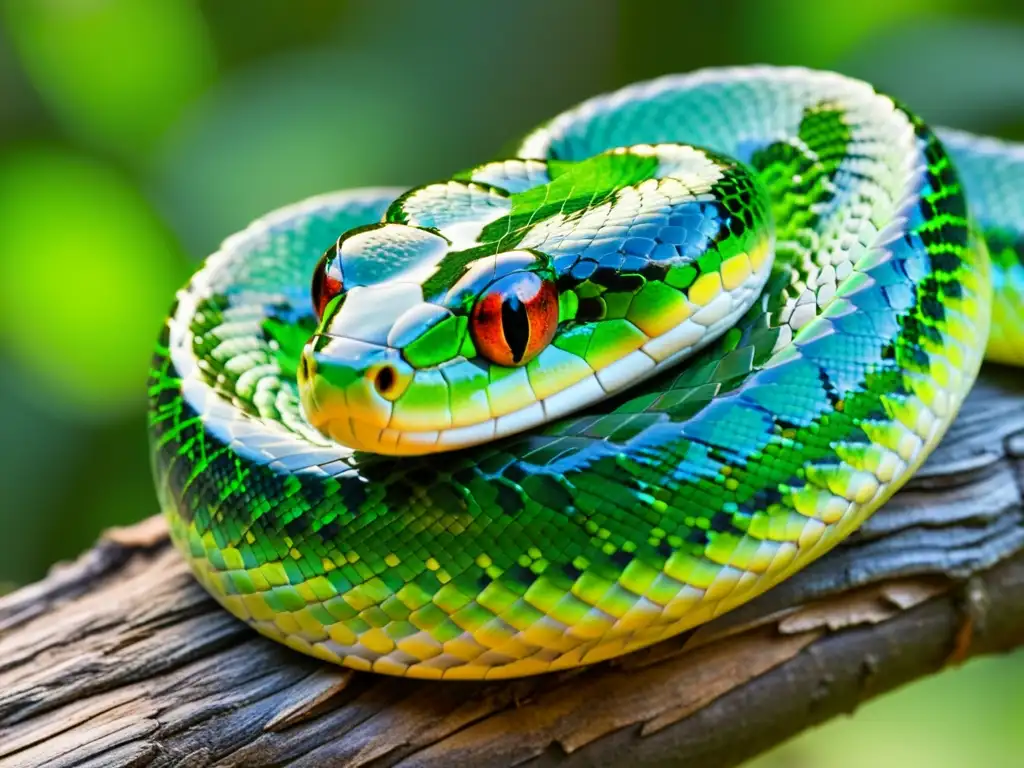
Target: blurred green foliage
136,134
117,72
80,295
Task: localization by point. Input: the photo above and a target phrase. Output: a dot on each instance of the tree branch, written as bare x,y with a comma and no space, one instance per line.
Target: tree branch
120,659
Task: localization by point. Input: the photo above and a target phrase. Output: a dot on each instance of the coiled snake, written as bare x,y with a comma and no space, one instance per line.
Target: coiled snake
473,451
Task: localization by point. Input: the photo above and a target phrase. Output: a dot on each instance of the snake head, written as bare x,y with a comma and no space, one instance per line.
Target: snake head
524,290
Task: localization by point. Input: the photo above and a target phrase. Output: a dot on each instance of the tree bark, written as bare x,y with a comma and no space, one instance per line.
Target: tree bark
120,659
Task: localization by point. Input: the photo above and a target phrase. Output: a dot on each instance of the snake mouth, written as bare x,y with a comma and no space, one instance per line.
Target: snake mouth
348,388
352,393
367,398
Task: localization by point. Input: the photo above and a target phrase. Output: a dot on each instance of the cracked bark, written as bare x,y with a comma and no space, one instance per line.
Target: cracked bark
119,659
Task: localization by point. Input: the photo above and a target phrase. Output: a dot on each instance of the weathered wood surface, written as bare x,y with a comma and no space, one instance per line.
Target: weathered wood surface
119,659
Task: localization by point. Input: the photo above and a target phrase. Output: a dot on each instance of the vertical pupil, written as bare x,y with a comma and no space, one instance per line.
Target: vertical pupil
515,325
514,319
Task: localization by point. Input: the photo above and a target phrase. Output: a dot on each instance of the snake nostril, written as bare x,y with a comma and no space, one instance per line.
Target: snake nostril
385,379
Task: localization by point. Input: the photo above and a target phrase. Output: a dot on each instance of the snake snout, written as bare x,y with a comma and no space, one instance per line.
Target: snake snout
347,388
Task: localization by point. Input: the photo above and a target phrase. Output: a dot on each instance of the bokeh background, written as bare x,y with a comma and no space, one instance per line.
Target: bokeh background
136,134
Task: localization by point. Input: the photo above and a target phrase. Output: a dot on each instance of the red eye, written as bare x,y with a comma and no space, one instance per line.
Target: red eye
515,318
327,281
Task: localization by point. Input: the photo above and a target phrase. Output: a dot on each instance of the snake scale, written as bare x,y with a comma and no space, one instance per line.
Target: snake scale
473,448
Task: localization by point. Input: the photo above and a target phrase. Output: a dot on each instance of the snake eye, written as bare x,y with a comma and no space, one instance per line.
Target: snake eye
327,280
515,318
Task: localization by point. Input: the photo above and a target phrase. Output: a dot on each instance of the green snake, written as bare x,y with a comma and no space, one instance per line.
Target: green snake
471,449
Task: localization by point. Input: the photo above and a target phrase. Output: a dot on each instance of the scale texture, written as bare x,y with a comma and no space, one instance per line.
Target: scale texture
662,505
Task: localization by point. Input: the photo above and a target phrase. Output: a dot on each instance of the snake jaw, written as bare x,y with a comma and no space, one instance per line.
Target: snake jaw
347,388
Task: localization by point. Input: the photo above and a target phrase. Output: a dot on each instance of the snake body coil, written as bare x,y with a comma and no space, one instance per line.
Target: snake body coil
821,256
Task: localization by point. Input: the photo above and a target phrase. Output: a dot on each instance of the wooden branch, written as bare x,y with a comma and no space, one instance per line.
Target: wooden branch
119,659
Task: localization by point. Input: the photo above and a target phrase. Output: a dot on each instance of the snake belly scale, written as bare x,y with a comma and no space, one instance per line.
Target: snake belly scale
474,448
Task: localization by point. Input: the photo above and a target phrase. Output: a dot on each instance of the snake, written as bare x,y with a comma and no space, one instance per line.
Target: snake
670,348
